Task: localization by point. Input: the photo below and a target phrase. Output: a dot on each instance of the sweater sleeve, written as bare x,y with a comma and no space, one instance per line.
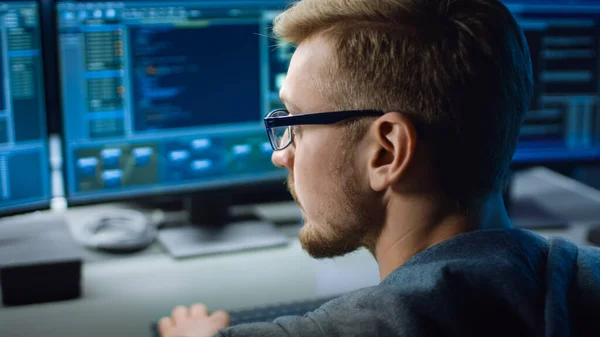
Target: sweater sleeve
287,326
344,315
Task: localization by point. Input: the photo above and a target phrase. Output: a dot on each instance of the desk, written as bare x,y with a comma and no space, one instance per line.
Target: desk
122,295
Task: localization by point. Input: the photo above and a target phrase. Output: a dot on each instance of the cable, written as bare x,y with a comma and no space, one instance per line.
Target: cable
117,230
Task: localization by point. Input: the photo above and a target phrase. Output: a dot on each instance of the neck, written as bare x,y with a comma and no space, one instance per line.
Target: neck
415,224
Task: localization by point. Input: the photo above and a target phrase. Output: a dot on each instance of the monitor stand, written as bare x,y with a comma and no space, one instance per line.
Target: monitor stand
526,213
213,230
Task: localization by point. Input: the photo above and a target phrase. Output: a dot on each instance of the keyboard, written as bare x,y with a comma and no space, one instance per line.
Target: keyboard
267,313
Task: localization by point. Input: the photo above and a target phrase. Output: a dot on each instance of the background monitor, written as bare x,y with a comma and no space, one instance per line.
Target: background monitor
563,124
24,158
167,97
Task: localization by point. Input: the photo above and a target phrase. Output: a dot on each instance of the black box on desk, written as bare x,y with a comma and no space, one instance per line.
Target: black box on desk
39,266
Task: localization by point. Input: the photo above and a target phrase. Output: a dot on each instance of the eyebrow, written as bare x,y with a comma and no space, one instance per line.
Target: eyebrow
289,104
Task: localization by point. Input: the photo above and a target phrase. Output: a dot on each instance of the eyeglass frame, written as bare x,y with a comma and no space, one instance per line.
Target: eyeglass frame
318,118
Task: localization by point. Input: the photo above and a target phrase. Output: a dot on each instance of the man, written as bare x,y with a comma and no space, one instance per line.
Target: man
401,120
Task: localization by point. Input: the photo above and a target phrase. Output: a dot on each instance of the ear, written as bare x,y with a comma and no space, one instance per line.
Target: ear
393,143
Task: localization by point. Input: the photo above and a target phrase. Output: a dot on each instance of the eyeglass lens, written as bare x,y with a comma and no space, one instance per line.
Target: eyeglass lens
280,135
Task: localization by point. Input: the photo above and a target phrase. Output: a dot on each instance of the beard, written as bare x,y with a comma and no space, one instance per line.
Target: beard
351,219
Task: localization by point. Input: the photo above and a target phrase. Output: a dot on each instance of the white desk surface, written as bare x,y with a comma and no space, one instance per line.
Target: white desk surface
123,294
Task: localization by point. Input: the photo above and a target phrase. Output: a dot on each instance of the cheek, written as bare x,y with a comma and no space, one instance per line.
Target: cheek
312,178
304,174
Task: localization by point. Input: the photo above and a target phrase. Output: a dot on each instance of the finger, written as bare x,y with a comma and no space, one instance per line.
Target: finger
164,325
198,310
220,316
180,314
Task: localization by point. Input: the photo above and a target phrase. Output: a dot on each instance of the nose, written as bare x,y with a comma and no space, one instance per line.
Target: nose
284,158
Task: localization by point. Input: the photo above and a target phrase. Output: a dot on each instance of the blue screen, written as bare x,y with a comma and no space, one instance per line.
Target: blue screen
24,164
563,124
162,97
167,97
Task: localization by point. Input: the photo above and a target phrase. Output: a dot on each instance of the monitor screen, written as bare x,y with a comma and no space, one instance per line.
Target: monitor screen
165,97
563,124
24,159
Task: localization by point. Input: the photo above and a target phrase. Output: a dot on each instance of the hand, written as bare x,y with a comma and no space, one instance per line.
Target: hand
195,322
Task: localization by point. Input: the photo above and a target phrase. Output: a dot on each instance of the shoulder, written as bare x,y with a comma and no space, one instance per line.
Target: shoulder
479,255
473,279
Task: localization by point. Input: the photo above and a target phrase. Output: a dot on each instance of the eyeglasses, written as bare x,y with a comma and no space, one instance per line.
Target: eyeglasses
279,123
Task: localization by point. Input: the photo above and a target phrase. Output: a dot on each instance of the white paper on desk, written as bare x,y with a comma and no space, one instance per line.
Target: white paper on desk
345,274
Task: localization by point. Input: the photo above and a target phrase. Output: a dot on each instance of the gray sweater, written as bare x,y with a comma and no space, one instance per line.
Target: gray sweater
485,283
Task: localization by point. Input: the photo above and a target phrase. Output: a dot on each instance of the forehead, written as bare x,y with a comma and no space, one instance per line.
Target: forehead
307,72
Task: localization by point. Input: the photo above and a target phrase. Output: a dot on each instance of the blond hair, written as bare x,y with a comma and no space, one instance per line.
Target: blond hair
459,66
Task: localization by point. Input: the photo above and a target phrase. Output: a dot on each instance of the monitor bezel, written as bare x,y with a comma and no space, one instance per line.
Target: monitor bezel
38,206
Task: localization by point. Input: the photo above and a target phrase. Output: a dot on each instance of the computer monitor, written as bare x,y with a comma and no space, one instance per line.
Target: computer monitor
563,124
562,128
167,98
24,159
